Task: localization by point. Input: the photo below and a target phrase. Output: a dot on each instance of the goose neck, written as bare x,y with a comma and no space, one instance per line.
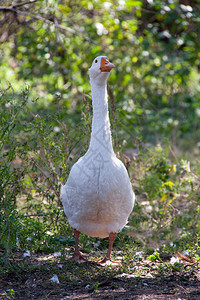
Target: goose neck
101,139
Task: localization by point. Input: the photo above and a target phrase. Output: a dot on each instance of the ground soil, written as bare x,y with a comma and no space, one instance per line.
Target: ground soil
35,283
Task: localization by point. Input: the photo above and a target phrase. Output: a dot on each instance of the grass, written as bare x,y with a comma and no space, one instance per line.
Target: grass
32,275
35,159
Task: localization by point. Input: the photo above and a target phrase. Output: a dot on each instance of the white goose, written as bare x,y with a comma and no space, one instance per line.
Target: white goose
98,196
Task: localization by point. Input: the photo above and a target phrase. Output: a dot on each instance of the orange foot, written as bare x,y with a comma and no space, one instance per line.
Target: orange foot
79,258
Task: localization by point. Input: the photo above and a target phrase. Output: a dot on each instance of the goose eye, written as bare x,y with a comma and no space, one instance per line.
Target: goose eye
96,61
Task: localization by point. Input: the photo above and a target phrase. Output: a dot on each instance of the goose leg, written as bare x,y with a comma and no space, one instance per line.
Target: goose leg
112,236
77,255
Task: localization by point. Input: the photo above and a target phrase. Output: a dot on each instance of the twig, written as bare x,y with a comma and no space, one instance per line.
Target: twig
67,140
148,11
185,258
62,27
5,8
45,21
24,3
49,180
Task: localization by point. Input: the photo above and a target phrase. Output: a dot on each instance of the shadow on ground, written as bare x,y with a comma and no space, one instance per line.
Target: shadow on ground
91,281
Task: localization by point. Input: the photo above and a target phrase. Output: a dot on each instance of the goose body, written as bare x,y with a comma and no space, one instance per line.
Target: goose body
98,196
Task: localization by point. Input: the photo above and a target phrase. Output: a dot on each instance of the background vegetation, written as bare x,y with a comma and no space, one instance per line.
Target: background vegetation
45,115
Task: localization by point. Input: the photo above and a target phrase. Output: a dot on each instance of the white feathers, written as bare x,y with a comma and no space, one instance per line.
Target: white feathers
98,196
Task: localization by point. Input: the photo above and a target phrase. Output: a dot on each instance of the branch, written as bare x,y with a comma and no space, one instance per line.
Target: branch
10,8
49,180
24,3
45,21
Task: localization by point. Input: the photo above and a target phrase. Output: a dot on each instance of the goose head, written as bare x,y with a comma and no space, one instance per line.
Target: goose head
100,70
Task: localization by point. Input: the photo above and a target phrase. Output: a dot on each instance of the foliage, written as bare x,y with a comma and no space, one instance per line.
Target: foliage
36,159
167,198
50,45
154,104
10,176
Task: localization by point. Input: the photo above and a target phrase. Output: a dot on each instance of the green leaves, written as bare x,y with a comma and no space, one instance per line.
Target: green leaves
153,44
49,46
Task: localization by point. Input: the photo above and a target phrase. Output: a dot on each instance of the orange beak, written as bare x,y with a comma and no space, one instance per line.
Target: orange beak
106,66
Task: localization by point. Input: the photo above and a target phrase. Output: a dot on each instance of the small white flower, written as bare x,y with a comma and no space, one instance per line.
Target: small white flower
165,58
189,15
55,279
186,7
180,42
107,5
174,260
121,4
47,55
166,34
145,53
56,129
100,29
166,8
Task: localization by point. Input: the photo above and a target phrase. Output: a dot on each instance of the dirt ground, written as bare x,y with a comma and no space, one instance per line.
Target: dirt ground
91,281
